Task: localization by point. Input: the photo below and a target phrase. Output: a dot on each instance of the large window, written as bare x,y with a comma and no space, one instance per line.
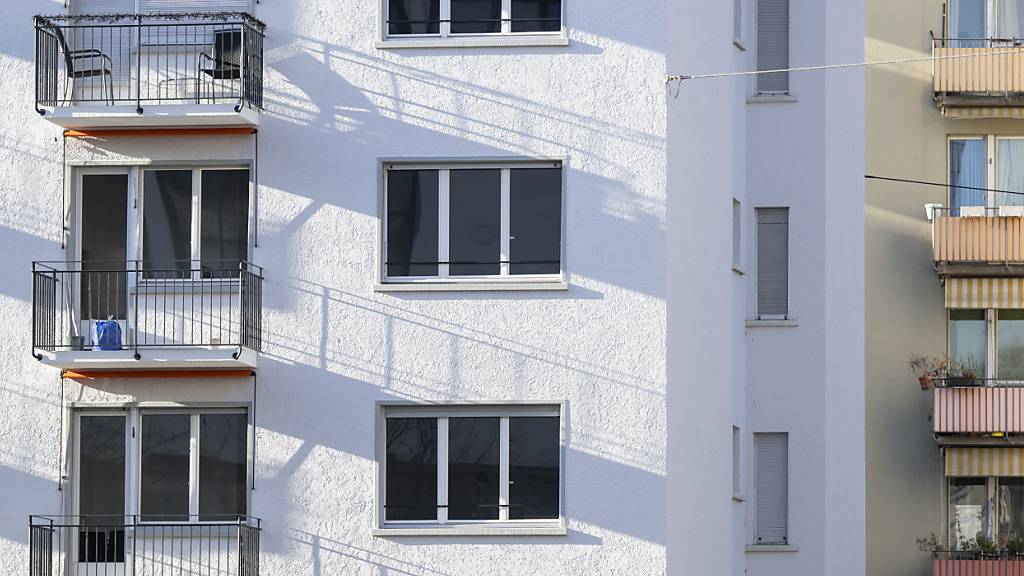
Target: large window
472,17
471,465
771,488
773,46
968,339
969,20
458,222
772,262
970,177
967,512
194,216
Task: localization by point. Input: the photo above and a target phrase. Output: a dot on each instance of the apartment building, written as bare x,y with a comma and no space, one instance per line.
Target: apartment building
765,333
428,287
942,280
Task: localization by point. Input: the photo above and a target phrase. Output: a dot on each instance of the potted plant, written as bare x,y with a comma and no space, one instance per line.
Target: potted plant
924,368
965,373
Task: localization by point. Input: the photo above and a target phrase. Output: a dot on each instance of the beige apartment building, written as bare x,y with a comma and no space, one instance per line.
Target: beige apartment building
944,278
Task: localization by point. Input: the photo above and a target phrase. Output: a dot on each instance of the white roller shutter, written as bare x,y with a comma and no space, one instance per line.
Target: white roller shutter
150,6
773,45
771,477
772,262
103,6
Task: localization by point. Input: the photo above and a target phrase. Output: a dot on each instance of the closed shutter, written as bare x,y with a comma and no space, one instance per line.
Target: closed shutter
103,6
151,6
773,45
772,262
771,475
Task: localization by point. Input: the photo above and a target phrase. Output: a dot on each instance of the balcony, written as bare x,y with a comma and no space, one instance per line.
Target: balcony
120,545
985,406
978,77
973,563
978,241
155,70
138,315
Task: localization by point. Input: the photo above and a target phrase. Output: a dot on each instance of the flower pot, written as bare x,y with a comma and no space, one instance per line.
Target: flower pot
926,382
961,381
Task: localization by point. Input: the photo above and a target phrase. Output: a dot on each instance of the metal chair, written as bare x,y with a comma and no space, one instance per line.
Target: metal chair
226,61
75,68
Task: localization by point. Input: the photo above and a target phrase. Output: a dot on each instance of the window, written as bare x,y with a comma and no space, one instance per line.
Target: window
194,215
471,465
771,477
968,339
968,511
967,169
465,222
1010,344
737,231
149,6
969,174
446,18
969,21
772,262
773,46
737,487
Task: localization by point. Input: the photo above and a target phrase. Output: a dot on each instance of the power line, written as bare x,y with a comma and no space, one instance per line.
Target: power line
938,184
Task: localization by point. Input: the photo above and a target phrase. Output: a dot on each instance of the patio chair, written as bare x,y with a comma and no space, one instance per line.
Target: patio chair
226,61
77,65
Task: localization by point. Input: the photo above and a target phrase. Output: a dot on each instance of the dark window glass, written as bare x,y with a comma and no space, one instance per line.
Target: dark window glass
474,229
412,223
224,234
414,16
104,245
101,488
536,15
476,16
473,462
533,457
165,467
411,483
535,221
222,466
167,223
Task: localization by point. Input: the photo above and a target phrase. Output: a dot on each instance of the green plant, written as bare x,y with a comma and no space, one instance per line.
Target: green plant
929,544
1015,545
986,544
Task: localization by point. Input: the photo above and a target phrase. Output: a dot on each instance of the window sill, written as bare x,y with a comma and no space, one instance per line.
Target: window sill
771,99
470,286
472,42
772,323
771,548
472,531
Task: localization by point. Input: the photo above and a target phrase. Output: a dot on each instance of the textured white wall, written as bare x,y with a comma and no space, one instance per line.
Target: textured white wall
333,347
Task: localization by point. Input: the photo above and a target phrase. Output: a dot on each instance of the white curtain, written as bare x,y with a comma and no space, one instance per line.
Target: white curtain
1010,171
1011,18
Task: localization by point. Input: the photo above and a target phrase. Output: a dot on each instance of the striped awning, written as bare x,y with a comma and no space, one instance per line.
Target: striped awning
985,293
985,462
978,112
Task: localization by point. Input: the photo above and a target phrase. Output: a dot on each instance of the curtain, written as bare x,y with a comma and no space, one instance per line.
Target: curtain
1011,18
967,21
966,168
1010,171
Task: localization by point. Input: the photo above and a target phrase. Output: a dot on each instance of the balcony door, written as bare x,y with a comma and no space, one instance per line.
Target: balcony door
974,23
102,278
98,544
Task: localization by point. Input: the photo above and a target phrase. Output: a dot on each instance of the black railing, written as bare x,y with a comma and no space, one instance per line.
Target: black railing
123,545
137,304
199,58
976,382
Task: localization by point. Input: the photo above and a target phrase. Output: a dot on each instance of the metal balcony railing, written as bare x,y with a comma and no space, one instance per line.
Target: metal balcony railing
977,405
976,563
976,234
163,304
149,59
985,66
130,545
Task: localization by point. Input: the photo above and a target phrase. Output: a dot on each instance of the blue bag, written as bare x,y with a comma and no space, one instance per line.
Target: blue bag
106,335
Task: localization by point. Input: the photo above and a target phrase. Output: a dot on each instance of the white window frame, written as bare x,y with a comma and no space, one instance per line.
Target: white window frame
442,413
133,415
504,278
136,218
991,163
445,25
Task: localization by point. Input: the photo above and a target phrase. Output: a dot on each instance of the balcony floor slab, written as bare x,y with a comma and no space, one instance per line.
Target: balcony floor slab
153,116
208,358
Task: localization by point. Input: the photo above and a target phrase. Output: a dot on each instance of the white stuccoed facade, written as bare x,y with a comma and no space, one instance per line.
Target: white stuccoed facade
804,377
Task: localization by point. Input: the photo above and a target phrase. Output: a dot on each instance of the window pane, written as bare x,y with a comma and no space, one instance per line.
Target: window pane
968,514
101,488
1010,344
474,246
414,16
412,223
104,245
224,234
1011,509
165,467
533,456
167,223
772,261
1009,171
1010,18
967,339
967,20
536,15
535,221
411,483
476,16
773,45
473,460
771,488
967,169
222,466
